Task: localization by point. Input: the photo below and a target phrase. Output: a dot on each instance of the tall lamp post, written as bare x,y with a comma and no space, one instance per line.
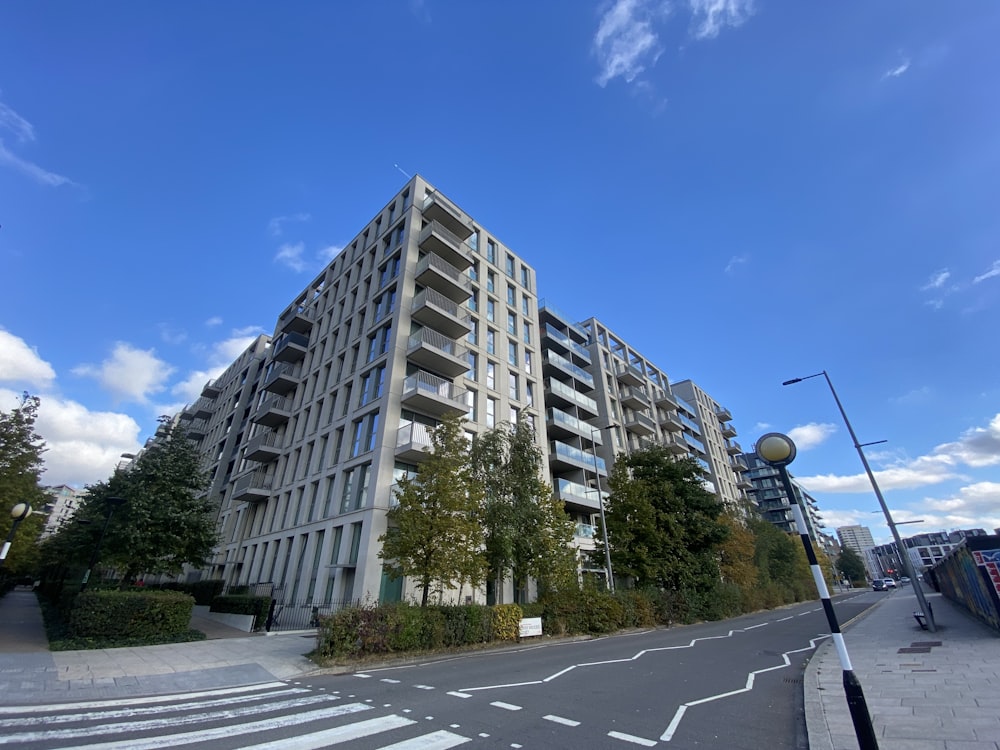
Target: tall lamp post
19,512
604,525
113,502
778,450
859,447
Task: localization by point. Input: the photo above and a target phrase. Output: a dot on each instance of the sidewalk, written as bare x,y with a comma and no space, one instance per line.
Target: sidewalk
925,691
30,673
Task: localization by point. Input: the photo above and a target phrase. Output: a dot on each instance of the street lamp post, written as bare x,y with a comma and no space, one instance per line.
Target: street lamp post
604,525
859,447
19,512
778,450
113,502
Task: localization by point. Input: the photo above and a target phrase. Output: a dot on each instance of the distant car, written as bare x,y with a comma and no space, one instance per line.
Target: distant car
904,580
878,585
890,583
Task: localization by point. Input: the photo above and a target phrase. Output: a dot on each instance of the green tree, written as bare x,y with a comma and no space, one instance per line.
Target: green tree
165,522
526,531
433,535
20,468
664,527
850,564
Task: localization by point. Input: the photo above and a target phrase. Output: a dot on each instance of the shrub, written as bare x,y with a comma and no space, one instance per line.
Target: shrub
258,606
143,615
637,609
506,621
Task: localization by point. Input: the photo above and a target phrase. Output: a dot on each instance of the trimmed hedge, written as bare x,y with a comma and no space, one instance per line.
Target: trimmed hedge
258,606
144,615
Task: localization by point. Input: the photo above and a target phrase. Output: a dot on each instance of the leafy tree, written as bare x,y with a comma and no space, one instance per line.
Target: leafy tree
664,527
20,468
165,522
433,535
851,565
736,553
526,531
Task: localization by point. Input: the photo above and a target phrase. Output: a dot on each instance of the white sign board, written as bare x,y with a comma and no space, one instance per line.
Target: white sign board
530,626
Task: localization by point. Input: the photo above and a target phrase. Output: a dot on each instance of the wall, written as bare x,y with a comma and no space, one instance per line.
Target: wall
970,577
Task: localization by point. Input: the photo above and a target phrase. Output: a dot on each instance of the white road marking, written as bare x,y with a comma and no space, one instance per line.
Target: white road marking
424,687
440,740
459,695
632,738
390,681
327,737
506,706
561,720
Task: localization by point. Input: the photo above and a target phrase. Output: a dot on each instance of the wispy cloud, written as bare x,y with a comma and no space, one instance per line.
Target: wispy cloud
626,42
736,260
994,270
215,320
897,71
329,252
916,396
12,121
810,435
276,226
291,256
711,16
937,280
35,172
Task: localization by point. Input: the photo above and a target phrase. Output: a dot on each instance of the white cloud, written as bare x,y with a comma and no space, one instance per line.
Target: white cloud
625,41
810,435
897,71
130,374
736,260
994,270
329,252
35,172
82,446
291,256
977,447
13,122
276,225
915,396
973,506
172,335
21,363
710,16
937,280
215,320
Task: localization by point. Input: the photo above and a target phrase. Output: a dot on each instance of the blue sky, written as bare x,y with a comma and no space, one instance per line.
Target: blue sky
746,191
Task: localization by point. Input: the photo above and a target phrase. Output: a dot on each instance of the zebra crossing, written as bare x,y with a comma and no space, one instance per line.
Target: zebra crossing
269,716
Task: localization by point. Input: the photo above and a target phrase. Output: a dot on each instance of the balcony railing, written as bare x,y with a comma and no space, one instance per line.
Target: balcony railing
430,394
565,392
434,271
435,351
433,309
553,359
567,453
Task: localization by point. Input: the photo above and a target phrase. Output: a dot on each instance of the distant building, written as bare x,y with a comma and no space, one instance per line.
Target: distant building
63,504
768,494
859,539
924,551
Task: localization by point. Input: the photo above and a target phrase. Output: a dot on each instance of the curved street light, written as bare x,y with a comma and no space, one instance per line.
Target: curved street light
19,512
778,450
903,554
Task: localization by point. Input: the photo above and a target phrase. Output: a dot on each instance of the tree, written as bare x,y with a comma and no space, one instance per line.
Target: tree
166,521
664,527
433,535
850,564
20,468
736,553
526,531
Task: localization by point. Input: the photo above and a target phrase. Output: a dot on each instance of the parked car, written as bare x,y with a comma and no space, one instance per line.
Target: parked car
878,585
890,583
904,580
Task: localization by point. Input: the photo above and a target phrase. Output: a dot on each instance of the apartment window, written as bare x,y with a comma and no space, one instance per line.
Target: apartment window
474,302
470,401
473,365
512,323
378,342
363,473
491,282
364,434
385,304
509,265
400,232
515,414
392,212
388,271
511,295
491,412
491,251
513,390
512,353
372,383
491,310
524,276
474,242
527,361
526,331
347,493
529,393
473,337
355,543
491,341
491,375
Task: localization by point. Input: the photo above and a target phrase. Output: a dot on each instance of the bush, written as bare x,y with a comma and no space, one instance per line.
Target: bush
506,622
258,606
143,615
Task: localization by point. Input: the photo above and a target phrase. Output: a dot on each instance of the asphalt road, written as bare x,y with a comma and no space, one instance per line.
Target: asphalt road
733,685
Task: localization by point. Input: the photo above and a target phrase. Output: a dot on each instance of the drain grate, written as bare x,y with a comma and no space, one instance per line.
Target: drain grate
793,680
916,650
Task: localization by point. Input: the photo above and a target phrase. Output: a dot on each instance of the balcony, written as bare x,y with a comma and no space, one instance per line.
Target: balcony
633,397
671,422
281,379
739,465
629,374
666,400
577,495
253,487
433,309
675,444
563,457
435,272
413,441
211,389
429,394
197,429
728,430
560,394
744,483
436,352
275,411
723,414
437,208
297,318
559,341
290,347
559,424
202,409
553,361
640,424
263,448
733,448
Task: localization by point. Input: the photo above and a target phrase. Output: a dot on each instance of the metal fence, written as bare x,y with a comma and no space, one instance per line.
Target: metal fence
288,614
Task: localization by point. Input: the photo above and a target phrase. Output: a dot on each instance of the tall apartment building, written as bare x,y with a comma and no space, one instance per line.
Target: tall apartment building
859,539
722,453
768,494
923,550
423,314
62,506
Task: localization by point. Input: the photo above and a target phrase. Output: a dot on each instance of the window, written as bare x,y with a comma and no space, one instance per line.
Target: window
512,353
400,233
491,251
491,375
388,271
491,341
512,323
385,304
491,282
511,295
474,242
473,337
513,391
527,361
470,401
514,415
473,366
474,302
529,393
378,342
509,265
491,310
526,330
364,434
491,412
525,304
474,272
524,276
372,383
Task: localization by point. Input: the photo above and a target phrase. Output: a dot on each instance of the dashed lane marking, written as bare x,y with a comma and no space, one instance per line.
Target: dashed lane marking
561,720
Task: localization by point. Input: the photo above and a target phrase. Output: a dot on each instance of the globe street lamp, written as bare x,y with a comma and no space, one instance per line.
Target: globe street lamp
19,512
778,450
859,447
113,502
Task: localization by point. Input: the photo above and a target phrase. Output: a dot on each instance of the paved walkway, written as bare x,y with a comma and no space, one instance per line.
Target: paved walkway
925,691
940,697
